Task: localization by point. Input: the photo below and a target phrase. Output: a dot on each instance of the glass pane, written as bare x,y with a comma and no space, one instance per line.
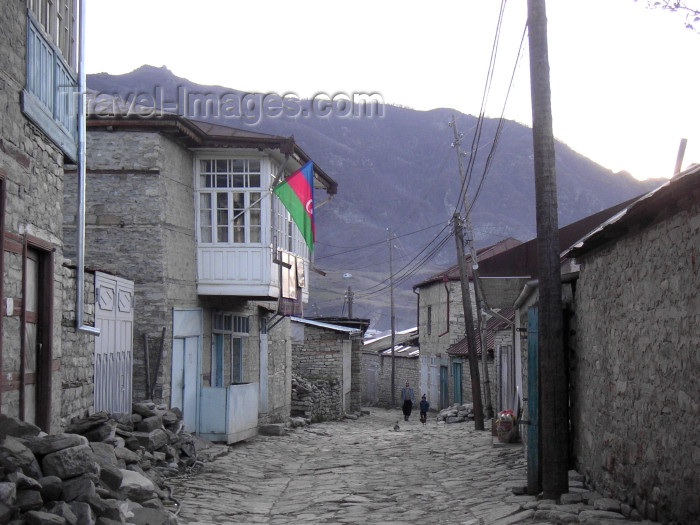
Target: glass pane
222,181
254,181
221,217
222,200
254,166
221,166
205,166
236,364
228,322
218,321
205,201
237,166
238,201
222,234
237,181
205,234
238,234
205,181
255,234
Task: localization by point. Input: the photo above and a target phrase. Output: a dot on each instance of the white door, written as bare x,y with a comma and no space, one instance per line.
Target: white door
187,334
114,317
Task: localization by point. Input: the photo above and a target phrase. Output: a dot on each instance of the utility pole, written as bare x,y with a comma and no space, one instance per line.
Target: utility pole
469,322
481,327
554,395
393,319
349,296
466,296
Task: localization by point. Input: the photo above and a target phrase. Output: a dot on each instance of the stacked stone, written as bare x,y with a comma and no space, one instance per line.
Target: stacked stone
316,400
104,470
457,413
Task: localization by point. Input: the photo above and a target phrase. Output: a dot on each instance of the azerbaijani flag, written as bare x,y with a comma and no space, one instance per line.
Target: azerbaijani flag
297,195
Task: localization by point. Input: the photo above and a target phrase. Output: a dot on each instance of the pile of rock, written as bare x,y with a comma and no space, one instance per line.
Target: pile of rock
105,469
320,400
457,413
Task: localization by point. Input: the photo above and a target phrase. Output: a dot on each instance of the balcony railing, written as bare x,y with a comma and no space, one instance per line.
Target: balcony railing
50,95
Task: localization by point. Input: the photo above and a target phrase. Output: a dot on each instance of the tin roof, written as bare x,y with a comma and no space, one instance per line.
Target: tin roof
327,326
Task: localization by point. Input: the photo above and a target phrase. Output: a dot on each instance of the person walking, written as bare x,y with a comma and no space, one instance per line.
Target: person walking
424,407
407,398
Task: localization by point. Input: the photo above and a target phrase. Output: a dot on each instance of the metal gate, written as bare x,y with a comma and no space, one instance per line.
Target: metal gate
114,317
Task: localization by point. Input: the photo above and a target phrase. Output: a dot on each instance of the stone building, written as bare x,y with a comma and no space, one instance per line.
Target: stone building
637,353
377,364
45,363
442,326
322,353
183,209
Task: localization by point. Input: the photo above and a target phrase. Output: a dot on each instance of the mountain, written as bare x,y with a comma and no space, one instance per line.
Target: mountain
394,170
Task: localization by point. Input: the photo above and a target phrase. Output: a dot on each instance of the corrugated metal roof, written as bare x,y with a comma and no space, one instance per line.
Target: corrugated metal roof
403,351
328,326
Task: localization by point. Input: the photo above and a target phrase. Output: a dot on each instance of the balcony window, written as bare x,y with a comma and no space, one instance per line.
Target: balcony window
49,98
230,199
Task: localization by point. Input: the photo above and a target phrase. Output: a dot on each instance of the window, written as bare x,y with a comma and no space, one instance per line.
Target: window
230,201
430,319
227,348
48,98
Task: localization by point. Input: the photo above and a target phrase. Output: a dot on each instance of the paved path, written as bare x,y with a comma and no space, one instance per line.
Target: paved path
362,471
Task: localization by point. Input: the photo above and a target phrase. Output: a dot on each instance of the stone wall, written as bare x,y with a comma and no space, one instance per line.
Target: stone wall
635,371
318,355
467,382
78,361
140,224
32,168
379,368
316,400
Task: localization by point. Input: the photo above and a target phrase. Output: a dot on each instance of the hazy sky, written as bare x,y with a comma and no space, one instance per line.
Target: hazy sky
624,78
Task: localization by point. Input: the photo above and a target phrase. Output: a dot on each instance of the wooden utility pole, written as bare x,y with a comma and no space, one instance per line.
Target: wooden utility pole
469,322
393,319
481,328
554,395
466,296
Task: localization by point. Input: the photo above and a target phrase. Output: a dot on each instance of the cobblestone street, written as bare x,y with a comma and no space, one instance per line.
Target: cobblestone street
360,471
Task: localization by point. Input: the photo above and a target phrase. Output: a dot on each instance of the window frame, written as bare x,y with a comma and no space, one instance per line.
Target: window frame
225,221
228,331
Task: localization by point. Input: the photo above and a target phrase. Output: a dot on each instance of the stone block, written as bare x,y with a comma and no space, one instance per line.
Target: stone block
607,504
35,517
5,513
51,488
64,510
111,476
8,493
127,455
71,462
104,453
41,446
152,440
14,455
149,424
10,426
77,487
136,486
29,500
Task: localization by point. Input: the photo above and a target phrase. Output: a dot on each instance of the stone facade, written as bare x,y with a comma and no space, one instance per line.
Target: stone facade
324,354
441,324
635,371
32,175
376,379
140,223
78,361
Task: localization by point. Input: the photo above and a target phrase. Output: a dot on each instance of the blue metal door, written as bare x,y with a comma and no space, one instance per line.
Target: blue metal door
444,385
457,377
